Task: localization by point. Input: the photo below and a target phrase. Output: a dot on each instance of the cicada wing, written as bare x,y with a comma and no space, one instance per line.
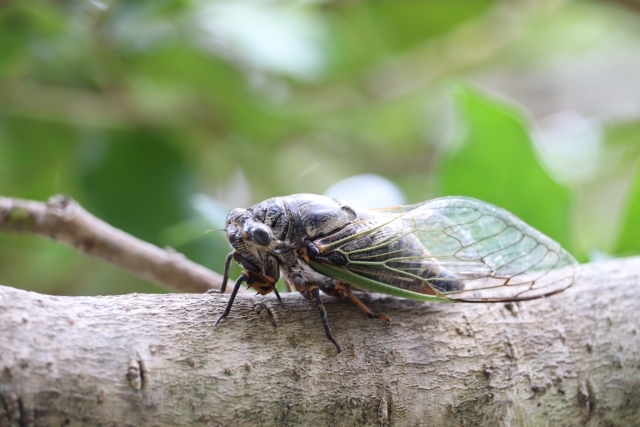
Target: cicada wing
453,247
491,252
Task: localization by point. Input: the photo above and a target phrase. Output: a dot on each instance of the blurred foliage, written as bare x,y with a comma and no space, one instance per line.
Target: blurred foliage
138,109
496,163
630,231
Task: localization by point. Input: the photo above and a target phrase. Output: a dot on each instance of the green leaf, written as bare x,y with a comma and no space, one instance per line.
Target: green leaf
409,22
136,180
496,162
629,237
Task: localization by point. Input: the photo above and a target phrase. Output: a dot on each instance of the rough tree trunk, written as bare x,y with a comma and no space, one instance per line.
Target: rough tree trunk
572,359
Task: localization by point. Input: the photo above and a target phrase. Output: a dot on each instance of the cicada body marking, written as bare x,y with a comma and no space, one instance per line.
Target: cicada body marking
452,249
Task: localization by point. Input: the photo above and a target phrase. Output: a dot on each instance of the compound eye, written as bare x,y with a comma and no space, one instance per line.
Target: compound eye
260,236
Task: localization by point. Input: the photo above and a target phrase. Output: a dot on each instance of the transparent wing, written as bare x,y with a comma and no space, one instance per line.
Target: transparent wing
461,248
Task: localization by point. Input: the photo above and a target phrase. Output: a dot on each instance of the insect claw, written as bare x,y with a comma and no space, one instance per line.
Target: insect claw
378,316
215,325
336,344
277,295
364,308
384,318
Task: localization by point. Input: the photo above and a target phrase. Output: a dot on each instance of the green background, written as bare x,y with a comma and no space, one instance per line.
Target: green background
159,116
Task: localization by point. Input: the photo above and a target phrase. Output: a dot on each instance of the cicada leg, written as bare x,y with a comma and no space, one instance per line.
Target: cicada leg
277,295
232,297
259,282
225,278
323,316
287,282
345,289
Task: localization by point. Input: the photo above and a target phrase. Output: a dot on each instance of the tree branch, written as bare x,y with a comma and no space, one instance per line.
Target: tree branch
63,219
571,359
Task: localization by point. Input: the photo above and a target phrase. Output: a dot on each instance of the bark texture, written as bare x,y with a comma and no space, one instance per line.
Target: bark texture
133,360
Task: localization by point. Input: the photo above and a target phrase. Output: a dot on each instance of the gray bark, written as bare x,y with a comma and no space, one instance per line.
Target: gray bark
571,359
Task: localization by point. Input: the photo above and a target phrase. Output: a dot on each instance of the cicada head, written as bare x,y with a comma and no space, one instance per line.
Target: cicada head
249,237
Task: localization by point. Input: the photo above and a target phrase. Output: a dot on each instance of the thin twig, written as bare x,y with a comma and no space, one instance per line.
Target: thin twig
62,218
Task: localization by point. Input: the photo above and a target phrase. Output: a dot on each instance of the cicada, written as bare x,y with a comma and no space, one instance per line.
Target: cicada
451,249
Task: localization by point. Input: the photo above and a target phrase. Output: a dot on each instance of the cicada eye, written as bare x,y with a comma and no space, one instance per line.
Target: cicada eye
260,235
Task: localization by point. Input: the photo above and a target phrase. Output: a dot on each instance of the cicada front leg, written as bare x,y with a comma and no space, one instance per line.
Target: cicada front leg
252,275
232,297
262,284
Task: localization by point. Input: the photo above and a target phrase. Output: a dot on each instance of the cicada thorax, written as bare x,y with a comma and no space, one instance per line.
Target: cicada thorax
266,238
